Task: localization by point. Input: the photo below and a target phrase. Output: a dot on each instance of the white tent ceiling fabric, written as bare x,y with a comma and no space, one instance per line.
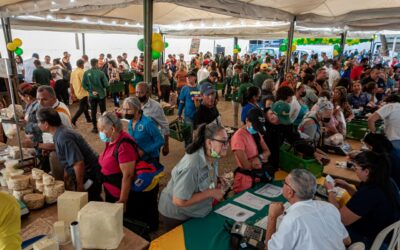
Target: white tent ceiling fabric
271,16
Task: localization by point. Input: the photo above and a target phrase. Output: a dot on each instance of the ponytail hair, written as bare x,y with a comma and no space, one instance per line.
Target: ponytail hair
203,132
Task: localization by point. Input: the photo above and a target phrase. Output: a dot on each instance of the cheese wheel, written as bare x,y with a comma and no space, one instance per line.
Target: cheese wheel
39,186
51,199
59,187
37,173
20,194
49,190
48,179
17,172
18,182
34,201
32,182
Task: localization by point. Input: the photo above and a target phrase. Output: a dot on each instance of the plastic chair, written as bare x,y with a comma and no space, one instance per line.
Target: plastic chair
356,246
394,242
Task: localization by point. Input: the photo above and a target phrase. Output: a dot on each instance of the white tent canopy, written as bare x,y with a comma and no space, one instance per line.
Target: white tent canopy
243,18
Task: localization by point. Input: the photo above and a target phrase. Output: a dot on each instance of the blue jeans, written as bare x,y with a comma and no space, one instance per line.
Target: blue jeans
396,145
189,122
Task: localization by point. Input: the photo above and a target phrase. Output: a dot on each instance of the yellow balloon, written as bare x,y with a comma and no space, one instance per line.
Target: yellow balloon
294,47
235,51
158,46
156,37
17,42
335,53
11,46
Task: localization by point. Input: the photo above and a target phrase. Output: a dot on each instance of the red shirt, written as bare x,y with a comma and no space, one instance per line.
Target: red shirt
356,73
109,164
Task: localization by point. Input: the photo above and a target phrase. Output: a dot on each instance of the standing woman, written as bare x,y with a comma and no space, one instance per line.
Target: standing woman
113,76
60,87
181,77
142,128
20,68
193,184
118,172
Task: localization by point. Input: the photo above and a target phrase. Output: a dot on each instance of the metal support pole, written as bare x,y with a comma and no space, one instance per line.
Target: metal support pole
394,45
343,38
235,43
289,45
148,30
8,38
83,44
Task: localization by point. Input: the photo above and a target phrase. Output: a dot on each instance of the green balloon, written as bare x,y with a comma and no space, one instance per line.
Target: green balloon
19,51
336,47
166,44
140,44
283,47
155,54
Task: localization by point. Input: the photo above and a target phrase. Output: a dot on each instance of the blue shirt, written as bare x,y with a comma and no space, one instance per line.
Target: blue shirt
358,101
186,101
303,111
147,137
246,108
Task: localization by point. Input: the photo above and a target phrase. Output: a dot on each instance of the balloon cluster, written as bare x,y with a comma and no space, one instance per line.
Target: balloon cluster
15,46
236,49
325,41
157,45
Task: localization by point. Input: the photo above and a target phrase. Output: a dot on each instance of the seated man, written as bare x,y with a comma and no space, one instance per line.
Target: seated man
306,224
78,159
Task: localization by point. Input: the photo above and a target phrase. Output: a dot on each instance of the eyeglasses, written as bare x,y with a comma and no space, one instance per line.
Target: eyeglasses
294,191
224,143
126,110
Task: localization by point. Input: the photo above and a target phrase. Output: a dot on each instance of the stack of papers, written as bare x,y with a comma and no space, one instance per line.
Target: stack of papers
269,190
234,212
252,201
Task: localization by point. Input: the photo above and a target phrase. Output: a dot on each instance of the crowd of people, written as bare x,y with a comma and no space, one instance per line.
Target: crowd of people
308,106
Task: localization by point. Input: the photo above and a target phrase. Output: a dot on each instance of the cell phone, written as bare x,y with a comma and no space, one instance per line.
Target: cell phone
329,179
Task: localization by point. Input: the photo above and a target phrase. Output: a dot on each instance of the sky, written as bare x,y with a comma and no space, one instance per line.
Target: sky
55,43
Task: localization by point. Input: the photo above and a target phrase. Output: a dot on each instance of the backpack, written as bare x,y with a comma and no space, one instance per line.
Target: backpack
147,175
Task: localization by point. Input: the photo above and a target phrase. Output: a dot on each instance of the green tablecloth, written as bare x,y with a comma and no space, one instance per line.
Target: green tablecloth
209,232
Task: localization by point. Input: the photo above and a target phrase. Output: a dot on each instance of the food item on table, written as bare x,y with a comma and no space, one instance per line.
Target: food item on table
34,201
60,231
32,182
49,190
18,182
48,179
69,204
15,153
39,186
59,187
50,199
3,146
11,165
21,193
17,172
10,111
37,173
100,225
46,244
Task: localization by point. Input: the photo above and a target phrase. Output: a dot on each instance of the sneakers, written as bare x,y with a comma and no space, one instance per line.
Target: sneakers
95,131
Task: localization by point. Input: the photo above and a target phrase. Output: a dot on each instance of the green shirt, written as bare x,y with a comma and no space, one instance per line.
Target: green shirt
41,76
259,78
95,80
243,90
236,84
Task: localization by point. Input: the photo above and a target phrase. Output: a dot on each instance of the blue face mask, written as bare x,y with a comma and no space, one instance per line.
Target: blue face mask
103,137
251,130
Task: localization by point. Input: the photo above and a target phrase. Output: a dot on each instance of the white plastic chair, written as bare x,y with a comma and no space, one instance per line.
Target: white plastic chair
394,242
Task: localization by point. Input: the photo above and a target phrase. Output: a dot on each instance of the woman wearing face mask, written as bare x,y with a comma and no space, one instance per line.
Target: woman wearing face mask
118,173
313,122
249,149
142,128
300,103
193,184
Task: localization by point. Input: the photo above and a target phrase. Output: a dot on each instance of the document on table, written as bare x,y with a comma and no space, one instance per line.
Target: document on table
234,212
264,221
269,190
253,201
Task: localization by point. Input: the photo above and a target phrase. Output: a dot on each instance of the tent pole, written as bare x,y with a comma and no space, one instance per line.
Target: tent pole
83,44
289,45
343,37
148,30
235,43
12,79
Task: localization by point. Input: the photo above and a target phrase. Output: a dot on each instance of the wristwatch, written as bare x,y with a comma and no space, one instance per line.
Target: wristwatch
330,190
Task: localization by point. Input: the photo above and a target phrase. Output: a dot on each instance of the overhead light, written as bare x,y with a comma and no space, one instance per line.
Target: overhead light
114,22
100,21
53,3
202,25
126,23
49,17
84,20
228,23
214,25
67,18
72,1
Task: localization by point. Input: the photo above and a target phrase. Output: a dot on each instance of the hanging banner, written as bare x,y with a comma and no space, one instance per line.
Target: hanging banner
194,46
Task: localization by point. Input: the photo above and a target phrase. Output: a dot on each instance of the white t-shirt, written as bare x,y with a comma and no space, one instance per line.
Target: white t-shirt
202,74
86,66
334,75
294,109
311,225
47,65
29,68
390,113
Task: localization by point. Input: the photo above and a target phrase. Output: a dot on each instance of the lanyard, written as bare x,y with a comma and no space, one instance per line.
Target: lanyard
211,177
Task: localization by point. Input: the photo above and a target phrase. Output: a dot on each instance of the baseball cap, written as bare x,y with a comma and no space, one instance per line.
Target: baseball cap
191,73
35,55
207,89
282,109
264,66
257,119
